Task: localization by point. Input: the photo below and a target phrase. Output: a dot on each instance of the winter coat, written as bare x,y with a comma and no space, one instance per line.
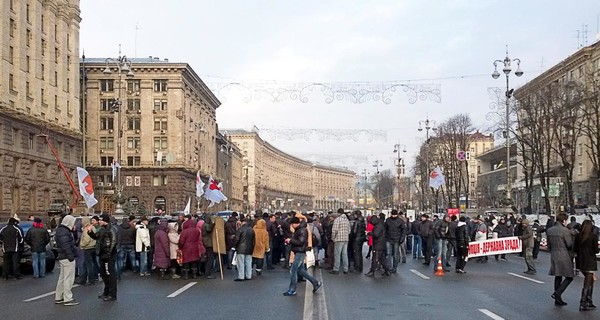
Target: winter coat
395,230
188,241
378,234
426,228
462,235
414,227
65,243
261,239
526,235
11,236
369,229
359,230
586,253
142,238
173,239
245,239
37,237
502,230
341,229
106,241
86,242
201,248
560,244
162,256
207,229
480,231
452,225
126,234
231,227
299,239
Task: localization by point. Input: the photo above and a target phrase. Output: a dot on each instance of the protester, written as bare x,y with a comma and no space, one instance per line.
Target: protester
426,233
394,237
359,240
11,237
527,238
162,249
340,234
90,271
379,247
189,244
142,245
501,231
560,244
462,245
261,245
207,231
586,247
126,245
299,245
417,247
231,227
173,235
38,238
244,248
65,247
106,239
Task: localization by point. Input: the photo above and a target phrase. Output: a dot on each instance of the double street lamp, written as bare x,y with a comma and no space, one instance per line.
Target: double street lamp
377,164
427,125
123,66
507,69
400,166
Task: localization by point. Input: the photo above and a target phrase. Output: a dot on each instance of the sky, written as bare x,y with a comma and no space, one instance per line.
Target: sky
281,44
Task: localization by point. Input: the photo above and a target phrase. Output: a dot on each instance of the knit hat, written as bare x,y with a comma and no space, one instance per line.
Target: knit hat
68,221
294,220
95,218
105,217
38,220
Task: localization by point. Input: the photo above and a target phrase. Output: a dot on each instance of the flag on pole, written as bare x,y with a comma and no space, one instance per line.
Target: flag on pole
213,193
186,211
115,166
436,178
85,187
199,185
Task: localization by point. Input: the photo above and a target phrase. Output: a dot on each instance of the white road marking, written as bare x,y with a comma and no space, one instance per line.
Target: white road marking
45,295
308,302
419,274
526,278
311,298
182,289
491,314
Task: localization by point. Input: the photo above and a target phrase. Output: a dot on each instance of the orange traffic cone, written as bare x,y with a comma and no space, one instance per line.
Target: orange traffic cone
440,269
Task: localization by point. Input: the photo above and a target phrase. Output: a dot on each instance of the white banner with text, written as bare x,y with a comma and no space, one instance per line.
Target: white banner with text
495,246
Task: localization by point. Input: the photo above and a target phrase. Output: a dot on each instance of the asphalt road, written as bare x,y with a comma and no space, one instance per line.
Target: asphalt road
487,291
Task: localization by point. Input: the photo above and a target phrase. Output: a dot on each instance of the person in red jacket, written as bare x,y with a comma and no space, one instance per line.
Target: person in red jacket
369,229
189,245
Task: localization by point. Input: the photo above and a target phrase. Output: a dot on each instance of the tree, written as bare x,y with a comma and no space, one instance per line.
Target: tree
382,187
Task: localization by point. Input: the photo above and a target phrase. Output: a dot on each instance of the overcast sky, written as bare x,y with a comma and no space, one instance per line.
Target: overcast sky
452,43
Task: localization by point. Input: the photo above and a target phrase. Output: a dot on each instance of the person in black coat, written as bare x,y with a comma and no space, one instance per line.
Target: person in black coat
586,247
106,250
462,244
426,232
502,231
379,247
244,246
38,238
11,238
359,228
65,247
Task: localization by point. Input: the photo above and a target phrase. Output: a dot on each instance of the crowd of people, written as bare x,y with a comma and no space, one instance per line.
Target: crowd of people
191,246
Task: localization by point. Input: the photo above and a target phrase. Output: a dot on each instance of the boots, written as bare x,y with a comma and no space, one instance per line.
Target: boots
194,273
174,274
370,273
185,273
163,274
589,298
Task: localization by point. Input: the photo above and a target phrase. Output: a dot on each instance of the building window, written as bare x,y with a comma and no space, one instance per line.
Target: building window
133,123
579,149
28,37
133,105
160,85
68,85
55,55
30,141
56,32
160,143
160,123
56,102
106,104
106,161
133,86
580,168
11,28
68,63
133,161
133,142
27,89
14,136
56,78
160,104
159,181
106,123
42,22
107,142
43,47
162,162
11,54
42,96
107,85
11,82
42,71
27,63
27,13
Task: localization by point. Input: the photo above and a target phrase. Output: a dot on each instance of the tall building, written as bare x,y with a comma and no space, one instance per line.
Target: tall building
479,143
39,95
333,187
158,123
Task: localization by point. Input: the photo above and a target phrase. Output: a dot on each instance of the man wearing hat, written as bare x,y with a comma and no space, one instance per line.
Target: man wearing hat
107,252
299,245
11,238
65,245
38,238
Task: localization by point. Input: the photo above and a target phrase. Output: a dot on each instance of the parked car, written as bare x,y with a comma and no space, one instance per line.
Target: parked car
26,259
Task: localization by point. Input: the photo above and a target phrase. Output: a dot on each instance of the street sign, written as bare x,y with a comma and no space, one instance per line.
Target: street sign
462,155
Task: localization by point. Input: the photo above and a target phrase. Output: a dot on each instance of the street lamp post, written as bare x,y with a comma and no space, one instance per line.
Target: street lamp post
400,167
364,173
123,66
429,125
377,164
507,70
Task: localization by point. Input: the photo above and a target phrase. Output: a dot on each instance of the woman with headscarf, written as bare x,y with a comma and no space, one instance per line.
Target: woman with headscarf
162,255
173,247
261,244
188,244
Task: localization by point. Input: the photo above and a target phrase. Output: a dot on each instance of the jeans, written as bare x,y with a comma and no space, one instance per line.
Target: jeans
90,270
417,248
244,266
451,248
39,264
393,251
65,280
143,262
126,251
269,255
441,251
409,243
340,253
299,268
230,253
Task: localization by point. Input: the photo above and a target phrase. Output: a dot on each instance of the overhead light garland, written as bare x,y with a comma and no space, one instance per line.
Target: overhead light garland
323,134
355,92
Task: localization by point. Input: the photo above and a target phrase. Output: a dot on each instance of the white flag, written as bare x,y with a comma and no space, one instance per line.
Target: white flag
159,156
186,211
213,193
86,187
436,178
199,185
115,166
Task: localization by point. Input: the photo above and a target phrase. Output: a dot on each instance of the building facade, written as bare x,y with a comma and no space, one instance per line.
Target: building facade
39,97
333,188
158,124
